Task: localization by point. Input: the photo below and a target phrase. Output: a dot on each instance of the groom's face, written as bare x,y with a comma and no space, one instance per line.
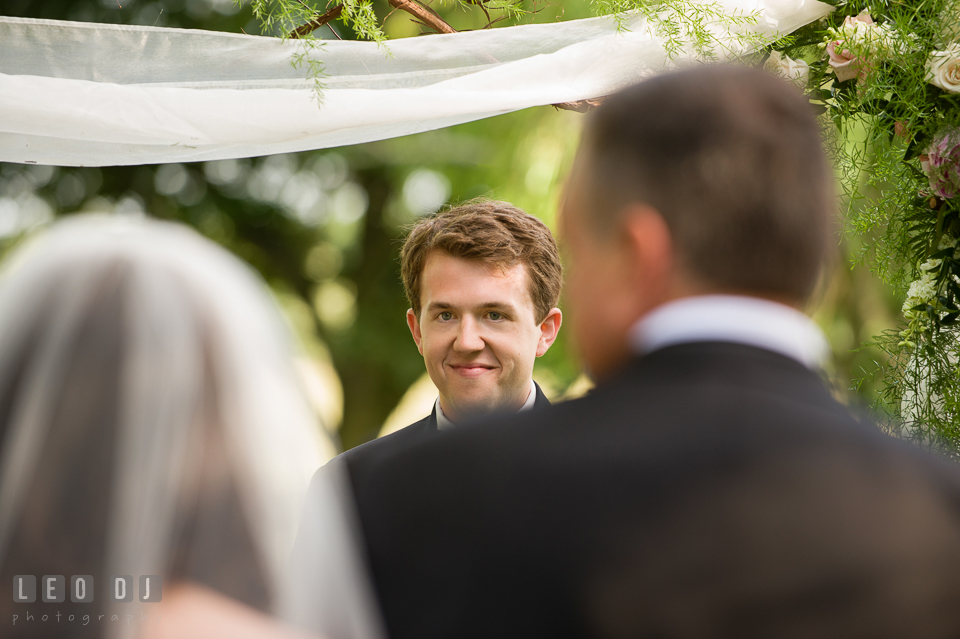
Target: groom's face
478,334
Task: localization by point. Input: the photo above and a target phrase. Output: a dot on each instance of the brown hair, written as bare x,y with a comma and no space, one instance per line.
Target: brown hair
490,231
731,157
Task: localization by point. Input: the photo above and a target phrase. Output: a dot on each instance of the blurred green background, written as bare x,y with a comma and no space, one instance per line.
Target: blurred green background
325,227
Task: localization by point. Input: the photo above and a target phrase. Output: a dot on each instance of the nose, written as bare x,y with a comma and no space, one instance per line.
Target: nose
468,336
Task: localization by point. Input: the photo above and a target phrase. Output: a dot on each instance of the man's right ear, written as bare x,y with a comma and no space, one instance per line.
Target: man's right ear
650,254
414,323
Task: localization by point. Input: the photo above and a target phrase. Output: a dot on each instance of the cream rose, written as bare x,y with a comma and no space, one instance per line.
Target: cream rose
796,71
943,69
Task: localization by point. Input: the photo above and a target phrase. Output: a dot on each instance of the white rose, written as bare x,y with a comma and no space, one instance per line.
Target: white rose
943,69
921,292
796,71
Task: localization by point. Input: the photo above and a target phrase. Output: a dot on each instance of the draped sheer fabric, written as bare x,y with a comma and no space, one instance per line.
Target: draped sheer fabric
75,94
196,327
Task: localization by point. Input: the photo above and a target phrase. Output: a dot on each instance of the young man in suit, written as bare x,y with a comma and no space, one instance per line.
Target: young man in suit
710,486
483,280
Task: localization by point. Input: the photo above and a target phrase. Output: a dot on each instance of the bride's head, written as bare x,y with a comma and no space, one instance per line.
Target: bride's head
150,418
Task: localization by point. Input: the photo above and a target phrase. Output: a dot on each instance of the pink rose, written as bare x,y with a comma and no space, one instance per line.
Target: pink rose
942,165
845,64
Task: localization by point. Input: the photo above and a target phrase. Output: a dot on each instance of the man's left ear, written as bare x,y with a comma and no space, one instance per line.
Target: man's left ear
549,328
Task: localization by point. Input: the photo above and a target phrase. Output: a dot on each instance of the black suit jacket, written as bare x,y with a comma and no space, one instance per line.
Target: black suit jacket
365,457
710,490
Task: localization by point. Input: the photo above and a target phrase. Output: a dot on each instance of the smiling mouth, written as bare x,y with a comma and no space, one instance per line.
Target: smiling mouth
471,370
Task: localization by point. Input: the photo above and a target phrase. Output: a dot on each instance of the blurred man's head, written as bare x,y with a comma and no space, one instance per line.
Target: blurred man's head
711,180
483,280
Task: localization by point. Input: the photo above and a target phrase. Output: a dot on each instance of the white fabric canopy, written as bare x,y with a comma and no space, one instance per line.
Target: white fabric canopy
82,94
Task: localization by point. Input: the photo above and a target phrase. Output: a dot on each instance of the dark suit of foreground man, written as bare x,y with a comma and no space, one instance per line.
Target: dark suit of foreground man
711,486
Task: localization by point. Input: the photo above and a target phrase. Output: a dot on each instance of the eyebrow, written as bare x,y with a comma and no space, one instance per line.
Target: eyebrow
445,306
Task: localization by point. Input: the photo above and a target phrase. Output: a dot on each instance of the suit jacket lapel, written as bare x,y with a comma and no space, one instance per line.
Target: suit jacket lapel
541,401
432,420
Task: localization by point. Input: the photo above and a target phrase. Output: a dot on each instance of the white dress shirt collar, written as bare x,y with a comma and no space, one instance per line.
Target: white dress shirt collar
443,423
732,318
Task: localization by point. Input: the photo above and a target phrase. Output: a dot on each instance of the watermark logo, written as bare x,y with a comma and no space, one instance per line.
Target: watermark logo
24,617
53,588
122,589
24,589
81,588
151,588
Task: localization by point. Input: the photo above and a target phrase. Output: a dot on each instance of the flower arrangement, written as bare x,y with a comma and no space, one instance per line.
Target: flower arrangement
886,76
859,43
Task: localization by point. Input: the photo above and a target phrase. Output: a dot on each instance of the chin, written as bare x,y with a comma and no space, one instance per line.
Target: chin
477,407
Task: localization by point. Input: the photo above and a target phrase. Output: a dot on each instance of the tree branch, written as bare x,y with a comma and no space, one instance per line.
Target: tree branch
483,7
319,21
424,14
430,18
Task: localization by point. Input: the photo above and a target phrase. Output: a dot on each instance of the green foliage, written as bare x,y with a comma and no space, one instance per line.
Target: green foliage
359,15
504,9
886,119
922,384
692,26
284,16
306,57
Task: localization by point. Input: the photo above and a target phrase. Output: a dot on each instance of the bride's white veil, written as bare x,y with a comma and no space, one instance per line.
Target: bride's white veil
196,323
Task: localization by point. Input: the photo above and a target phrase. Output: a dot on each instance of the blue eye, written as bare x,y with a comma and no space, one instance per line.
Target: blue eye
446,316
495,315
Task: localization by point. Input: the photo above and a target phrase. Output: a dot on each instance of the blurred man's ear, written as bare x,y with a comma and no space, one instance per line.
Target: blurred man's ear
650,255
549,328
414,323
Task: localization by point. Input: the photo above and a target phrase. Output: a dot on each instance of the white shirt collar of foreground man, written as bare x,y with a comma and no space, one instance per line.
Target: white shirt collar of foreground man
733,318
444,424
